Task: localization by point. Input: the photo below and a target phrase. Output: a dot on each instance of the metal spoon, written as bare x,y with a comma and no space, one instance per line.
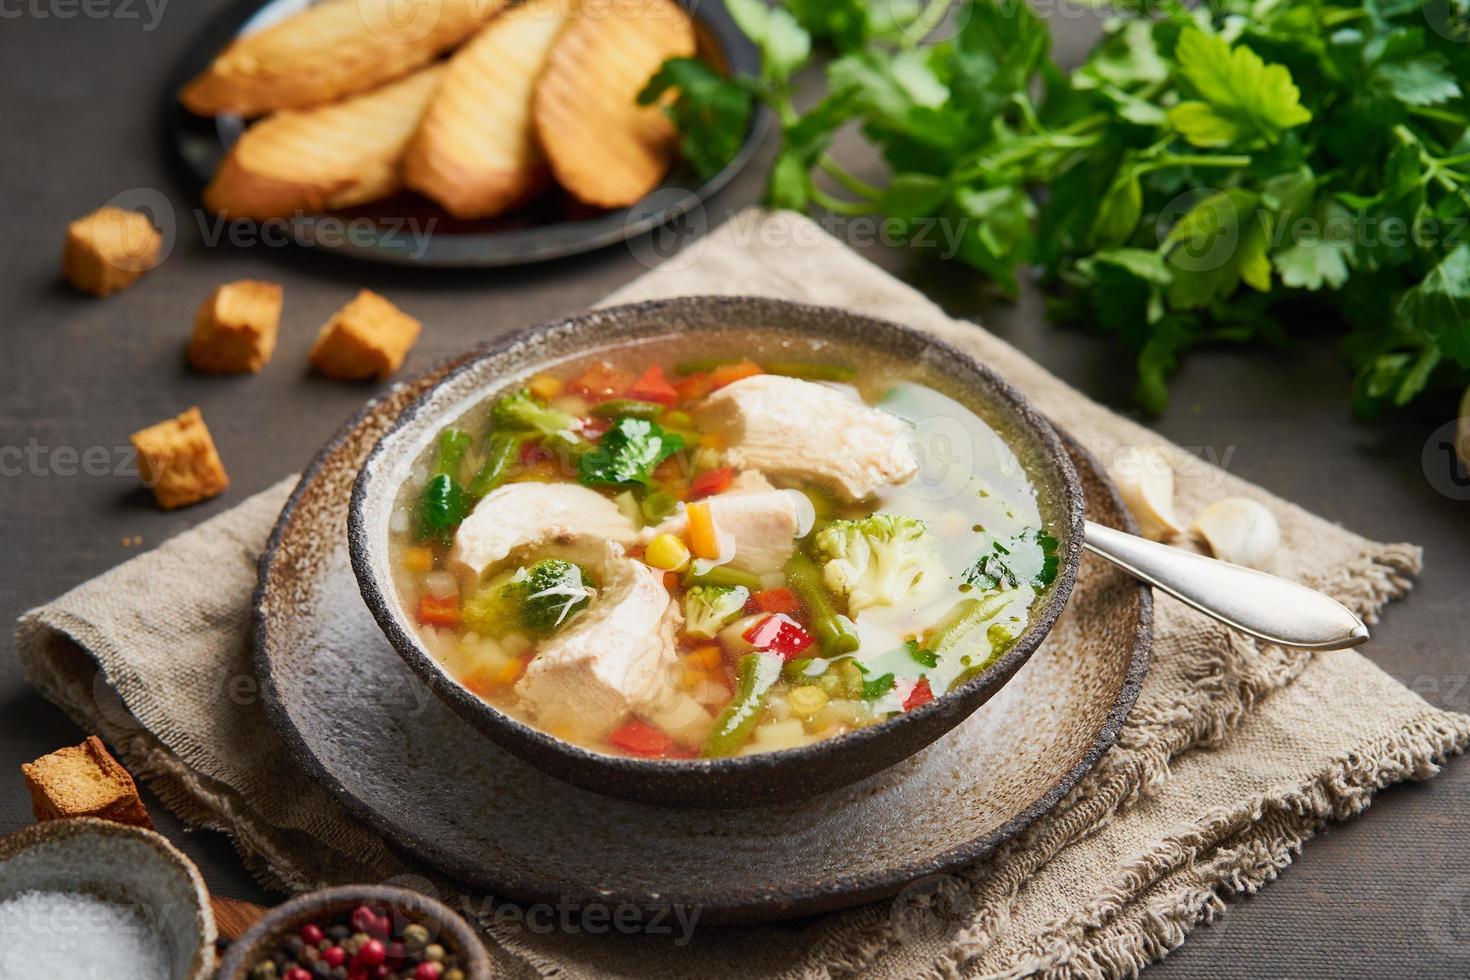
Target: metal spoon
1265,606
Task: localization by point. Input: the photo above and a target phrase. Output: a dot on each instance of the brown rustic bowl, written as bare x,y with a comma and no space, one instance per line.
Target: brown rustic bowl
123,864
740,780
406,906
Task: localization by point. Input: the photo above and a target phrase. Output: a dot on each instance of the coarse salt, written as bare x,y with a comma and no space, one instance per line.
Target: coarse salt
75,936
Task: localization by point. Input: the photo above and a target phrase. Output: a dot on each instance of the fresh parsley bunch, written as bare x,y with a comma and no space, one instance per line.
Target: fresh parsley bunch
1201,174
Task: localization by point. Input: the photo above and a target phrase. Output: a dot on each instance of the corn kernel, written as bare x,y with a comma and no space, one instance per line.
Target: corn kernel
508,673
706,657
712,440
667,552
806,700
418,559
545,387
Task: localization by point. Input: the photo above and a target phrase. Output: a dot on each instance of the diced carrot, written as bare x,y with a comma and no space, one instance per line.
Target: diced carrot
711,482
703,541
920,695
774,601
600,381
418,559
653,387
641,738
671,580
510,671
434,611
694,387
706,657
712,440
728,373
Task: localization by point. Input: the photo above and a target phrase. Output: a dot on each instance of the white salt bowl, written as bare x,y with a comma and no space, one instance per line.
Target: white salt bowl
126,865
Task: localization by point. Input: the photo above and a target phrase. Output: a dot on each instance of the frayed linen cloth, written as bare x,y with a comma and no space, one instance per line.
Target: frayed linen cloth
1235,755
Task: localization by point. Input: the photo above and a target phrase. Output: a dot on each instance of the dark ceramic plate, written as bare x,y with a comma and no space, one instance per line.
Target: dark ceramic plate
410,230
696,323
361,723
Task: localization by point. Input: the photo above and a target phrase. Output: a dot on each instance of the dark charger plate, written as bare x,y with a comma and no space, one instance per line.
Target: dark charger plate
398,230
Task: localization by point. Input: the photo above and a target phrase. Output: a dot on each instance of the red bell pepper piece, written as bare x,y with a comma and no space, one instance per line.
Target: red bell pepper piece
711,482
693,387
653,387
641,738
779,634
434,611
773,601
920,695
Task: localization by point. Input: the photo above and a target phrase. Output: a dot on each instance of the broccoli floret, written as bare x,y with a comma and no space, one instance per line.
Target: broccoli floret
877,561
709,607
522,411
539,599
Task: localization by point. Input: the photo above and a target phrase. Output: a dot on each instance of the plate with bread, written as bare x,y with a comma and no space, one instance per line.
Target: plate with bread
448,132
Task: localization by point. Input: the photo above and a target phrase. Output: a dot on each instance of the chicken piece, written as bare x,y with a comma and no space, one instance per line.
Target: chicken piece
615,659
760,524
519,515
804,430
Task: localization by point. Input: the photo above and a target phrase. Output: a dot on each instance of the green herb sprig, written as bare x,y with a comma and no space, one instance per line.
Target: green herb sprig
1197,178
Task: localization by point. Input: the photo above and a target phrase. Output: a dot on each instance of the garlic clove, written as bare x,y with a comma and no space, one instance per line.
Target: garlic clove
1146,482
1238,530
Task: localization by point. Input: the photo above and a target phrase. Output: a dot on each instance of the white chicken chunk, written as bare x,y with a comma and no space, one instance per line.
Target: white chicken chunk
804,430
759,525
519,515
615,659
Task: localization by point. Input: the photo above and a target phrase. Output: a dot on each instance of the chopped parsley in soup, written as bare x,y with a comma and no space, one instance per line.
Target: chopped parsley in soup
779,542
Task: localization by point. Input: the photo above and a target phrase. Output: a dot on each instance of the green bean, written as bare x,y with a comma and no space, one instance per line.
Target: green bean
965,615
810,370
627,408
755,674
724,575
834,632
658,505
502,450
699,365
453,444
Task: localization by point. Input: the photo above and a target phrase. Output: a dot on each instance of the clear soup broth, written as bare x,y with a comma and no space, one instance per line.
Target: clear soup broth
731,543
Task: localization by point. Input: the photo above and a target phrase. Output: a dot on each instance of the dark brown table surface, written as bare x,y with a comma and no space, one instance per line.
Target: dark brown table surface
1387,894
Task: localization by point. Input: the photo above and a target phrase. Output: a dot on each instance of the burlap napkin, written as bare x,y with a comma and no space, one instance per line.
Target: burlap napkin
1234,756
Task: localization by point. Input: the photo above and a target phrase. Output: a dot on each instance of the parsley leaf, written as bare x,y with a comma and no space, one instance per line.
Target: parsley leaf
712,112
627,454
1244,100
921,656
1030,557
877,687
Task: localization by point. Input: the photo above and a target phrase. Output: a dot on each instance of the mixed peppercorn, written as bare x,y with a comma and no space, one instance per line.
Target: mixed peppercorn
361,945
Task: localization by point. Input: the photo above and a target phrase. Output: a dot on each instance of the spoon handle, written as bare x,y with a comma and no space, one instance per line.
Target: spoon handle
1265,606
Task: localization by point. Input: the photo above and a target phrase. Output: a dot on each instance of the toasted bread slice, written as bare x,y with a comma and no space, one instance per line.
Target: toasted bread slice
602,146
332,50
306,160
476,151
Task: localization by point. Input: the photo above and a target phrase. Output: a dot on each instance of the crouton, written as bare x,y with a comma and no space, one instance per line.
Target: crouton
177,460
84,781
235,328
108,249
367,338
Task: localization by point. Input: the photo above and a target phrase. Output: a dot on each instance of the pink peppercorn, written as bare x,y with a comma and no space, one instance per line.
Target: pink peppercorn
312,933
372,953
297,973
364,919
334,956
428,971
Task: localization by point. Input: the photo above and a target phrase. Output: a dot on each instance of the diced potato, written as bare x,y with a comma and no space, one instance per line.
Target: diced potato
787,734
